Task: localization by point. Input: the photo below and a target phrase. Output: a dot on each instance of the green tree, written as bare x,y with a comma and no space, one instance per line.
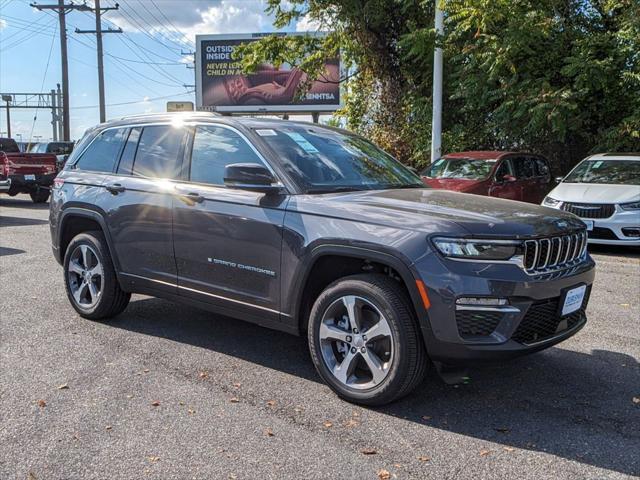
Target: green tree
561,77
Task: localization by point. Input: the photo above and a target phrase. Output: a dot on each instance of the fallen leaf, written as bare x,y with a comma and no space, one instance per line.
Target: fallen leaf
384,474
271,403
237,384
108,427
129,397
181,403
153,459
298,409
42,403
368,451
509,449
155,403
269,433
426,417
64,386
146,370
327,424
351,423
234,400
424,459
31,476
397,465
502,429
204,375
485,452
624,304
191,411
636,400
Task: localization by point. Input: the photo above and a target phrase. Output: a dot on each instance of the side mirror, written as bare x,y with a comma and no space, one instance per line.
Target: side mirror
508,178
250,176
559,179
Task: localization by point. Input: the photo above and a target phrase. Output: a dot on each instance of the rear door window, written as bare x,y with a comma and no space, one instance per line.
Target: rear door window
159,153
542,167
103,152
128,154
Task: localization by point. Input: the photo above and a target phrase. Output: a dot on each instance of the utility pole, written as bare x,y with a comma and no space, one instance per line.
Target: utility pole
98,32
436,119
62,9
8,98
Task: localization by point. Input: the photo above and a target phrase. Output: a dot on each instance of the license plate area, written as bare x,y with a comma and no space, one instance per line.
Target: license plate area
30,178
589,224
572,300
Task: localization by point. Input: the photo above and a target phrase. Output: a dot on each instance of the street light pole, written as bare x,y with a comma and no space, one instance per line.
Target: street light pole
436,121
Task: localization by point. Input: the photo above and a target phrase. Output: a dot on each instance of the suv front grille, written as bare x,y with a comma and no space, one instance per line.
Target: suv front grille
542,321
589,210
477,323
545,254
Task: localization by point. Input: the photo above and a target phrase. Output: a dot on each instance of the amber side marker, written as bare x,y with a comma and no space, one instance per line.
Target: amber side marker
423,294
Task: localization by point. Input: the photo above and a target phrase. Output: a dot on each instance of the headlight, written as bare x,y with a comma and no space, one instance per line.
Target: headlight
477,249
551,202
630,206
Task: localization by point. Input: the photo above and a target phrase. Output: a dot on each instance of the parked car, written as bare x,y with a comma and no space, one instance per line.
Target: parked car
314,231
525,177
61,150
604,191
30,173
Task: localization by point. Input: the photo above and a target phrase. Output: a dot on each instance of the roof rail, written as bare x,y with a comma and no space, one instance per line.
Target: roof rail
164,114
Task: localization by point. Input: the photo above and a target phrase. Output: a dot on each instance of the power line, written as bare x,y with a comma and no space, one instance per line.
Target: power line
133,102
44,78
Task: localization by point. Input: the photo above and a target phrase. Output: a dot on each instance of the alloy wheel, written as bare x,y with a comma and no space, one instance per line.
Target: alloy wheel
86,276
356,342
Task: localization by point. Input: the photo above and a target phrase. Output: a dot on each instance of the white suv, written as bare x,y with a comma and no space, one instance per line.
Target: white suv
604,191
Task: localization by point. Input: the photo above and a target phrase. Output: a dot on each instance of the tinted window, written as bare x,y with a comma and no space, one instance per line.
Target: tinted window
213,149
503,169
8,145
128,154
524,167
159,153
102,153
59,148
467,168
542,167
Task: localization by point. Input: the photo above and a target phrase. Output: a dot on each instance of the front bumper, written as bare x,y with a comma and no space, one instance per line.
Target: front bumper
5,185
531,321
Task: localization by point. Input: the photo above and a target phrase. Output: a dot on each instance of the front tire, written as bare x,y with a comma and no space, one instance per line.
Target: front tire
90,279
364,340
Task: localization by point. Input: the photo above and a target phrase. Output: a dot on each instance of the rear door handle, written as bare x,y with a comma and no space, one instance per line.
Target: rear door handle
193,197
115,188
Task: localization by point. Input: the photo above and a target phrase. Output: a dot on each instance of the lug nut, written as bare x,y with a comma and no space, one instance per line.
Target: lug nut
364,337
355,330
363,349
348,339
353,349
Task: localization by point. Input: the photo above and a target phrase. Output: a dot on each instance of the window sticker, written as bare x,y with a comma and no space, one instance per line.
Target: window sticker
438,162
266,132
303,142
597,164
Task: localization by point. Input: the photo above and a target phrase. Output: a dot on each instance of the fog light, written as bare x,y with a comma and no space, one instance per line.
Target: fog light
482,301
631,232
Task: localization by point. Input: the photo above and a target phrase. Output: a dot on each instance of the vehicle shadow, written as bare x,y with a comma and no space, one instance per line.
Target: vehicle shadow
20,221
22,201
558,401
5,251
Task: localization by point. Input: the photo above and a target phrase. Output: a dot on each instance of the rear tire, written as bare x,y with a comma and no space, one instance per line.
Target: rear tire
90,278
40,196
376,359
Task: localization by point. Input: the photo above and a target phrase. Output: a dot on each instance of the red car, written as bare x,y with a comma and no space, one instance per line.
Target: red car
518,176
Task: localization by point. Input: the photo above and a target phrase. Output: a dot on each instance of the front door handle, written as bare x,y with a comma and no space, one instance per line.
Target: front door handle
115,188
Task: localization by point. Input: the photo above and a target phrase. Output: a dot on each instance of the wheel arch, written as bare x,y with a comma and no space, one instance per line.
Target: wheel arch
313,279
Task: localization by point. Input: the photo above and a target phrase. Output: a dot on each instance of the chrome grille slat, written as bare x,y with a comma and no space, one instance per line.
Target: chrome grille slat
590,210
546,254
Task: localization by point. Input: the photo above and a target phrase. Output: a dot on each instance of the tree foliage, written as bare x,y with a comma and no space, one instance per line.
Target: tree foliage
560,77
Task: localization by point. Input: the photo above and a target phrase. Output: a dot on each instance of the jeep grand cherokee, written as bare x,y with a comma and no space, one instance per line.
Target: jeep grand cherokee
313,230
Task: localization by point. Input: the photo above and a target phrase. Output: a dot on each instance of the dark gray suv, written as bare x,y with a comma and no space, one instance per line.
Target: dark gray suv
312,230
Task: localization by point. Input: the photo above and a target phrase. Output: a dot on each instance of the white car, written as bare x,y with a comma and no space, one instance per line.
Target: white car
604,191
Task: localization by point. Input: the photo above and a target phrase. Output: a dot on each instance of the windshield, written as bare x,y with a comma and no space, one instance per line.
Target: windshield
8,145
623,172
466,168
325,160
59,148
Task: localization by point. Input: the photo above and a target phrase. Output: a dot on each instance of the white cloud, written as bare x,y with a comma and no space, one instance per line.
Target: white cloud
3,24
306,24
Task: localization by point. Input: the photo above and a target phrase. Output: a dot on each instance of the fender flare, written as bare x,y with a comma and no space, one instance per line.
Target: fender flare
98,217
400,265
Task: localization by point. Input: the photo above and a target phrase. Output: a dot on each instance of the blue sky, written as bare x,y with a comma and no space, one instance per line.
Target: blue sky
141,65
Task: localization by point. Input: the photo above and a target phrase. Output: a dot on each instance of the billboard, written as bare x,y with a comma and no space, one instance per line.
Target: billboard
221,86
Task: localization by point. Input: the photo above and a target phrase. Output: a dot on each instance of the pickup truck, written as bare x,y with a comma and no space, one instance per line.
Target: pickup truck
31,173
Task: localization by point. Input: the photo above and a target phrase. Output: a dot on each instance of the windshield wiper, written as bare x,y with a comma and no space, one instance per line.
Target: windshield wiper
334,190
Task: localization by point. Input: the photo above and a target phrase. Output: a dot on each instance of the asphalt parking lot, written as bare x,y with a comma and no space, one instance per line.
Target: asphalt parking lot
170,392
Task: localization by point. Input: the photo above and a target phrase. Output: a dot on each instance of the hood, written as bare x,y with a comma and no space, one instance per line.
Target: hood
440,211
595,193
455,184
